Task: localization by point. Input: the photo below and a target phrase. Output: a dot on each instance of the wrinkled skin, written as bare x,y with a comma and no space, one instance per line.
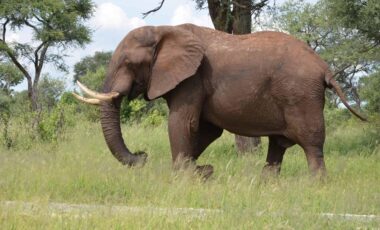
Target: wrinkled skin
262,84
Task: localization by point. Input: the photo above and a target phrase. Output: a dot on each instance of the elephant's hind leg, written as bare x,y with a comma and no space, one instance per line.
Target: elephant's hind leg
315,160
308,130
276,150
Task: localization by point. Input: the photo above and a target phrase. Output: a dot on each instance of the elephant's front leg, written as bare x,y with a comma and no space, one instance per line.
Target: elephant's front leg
185,140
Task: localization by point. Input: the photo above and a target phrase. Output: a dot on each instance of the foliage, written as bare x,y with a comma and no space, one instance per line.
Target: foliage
5,101
91,71
53,123
9,76
49,91
348,52
370,92
141,111
234,17
91,64
360,15
94,79
55,24
20,103
46,124
27,129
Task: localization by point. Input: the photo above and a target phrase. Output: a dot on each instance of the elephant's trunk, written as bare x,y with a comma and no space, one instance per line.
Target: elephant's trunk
110,120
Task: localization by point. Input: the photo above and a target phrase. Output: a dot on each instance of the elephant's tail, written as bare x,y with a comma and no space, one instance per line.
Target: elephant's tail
331,83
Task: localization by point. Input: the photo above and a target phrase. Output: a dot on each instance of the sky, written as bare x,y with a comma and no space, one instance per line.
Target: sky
113,19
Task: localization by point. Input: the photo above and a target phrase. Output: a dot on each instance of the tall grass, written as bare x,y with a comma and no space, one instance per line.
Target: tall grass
80,169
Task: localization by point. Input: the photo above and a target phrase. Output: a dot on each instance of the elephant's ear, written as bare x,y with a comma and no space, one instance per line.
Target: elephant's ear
178,55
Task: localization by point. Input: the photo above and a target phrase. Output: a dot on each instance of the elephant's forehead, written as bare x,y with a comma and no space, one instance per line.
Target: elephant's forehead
141,36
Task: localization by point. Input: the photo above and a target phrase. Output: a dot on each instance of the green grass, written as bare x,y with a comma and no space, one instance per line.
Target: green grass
80,169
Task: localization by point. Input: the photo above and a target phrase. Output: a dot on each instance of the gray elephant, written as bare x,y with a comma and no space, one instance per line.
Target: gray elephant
261,84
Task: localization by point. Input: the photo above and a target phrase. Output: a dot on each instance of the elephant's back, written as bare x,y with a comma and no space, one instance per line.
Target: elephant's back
252,78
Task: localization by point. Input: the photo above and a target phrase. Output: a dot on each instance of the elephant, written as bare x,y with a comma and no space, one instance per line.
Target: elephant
262,84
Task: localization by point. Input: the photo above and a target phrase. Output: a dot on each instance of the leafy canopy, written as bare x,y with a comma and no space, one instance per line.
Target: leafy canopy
55,25
362,15
9,76
370,92
348,52
90,64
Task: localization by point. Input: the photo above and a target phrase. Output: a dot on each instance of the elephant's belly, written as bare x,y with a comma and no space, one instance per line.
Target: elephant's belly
249,116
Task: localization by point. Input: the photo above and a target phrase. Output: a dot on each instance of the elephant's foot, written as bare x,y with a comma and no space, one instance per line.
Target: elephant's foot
319,174
205,171
271,170
137,159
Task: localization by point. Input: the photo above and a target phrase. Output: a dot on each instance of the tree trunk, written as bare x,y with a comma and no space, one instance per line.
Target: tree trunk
247,144
221,15
32,95
242,22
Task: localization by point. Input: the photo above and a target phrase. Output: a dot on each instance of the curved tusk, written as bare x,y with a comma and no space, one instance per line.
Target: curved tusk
92,101
100,96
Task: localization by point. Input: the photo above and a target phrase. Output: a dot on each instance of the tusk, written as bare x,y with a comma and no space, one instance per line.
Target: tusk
92,101
100,96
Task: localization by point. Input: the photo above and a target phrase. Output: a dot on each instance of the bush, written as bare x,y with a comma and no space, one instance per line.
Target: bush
23,130
354,137
90,112
53,123
370,92
335,117
154,118
145,112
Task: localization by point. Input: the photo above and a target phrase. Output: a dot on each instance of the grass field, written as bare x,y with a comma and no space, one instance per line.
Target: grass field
80,170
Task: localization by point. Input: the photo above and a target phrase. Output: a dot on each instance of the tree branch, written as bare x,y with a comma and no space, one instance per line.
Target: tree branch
4,29
40,62
10,53
36,54
153,10
341,70
235,3
31,26
258,6
18,64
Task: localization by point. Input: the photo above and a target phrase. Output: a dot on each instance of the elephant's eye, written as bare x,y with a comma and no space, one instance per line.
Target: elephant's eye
129,65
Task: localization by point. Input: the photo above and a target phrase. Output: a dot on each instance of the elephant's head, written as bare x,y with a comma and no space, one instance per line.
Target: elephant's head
149,61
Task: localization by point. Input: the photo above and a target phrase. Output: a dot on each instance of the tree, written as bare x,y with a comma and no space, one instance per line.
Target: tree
91,64
9,76
361,15
91,70
49,91
349,53
234,17
370,92
55,24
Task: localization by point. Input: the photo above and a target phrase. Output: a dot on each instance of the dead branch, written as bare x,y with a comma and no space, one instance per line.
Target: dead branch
153,10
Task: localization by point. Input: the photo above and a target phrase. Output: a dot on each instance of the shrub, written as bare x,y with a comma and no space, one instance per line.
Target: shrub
52,124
